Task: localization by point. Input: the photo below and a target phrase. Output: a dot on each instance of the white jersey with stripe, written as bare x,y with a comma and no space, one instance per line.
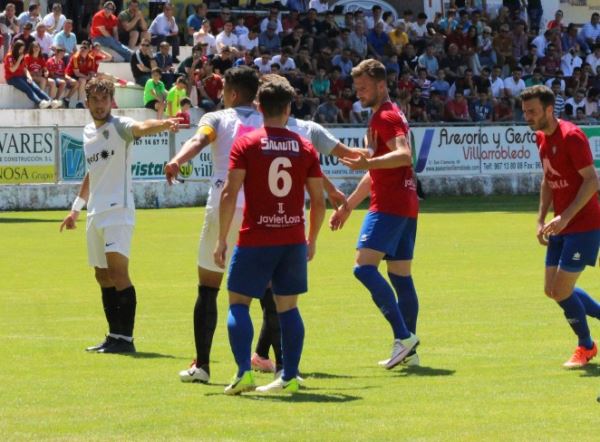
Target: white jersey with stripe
231,123
108,159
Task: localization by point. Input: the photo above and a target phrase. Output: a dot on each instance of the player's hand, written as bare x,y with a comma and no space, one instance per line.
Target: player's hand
555,226
70,221
219,254
311,249
359,163
337,198
541,237
171,172
172,124
339,217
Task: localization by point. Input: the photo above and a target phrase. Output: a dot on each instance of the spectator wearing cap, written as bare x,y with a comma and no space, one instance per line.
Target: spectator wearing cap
55,20
591,30
358,41
217,23
204,35
327,112
285,61
374,18
26,36
142,62
9,25
105,30
66,38
320,6
132,25
377,41
44,39
273,17
164,28
269,39
263,62
226,38
32,15
250,41
194,22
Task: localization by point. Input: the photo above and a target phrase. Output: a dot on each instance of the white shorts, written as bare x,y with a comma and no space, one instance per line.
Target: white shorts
107,239
210,235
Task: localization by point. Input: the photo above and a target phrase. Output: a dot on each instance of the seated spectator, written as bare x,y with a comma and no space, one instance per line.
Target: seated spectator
273,17
377,41
481,108
577,81
176,93
9,26
290,22
358,41
226,37
406,83
285,60
264,62
321,5
320,85
164,28
570,61
44,39
246,60
418,107
223,61
56,67
301,108
142,63
344,104
593,59
337,83
35,64
269,40
591,30
193,64
55,20
466,84
240,28
32,15
551,63
503,110
503,47
25,36
418,32
574,103
429,61
398,37
457,109
537,78
360,114
184,112
249,41
423,83
105,30
344,62
66,39
485,48
217,23
559,99
435,106
194,22
514,85
570,38
440,85
556,23
81,69
132,25
210,89
530,61
155,93
558,76
165,62
328,112
204,36
453,63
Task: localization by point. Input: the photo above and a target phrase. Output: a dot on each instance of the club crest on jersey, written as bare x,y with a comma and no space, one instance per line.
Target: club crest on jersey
218,183
105,134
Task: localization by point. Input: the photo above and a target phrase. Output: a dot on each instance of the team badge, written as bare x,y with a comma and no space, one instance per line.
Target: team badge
105,134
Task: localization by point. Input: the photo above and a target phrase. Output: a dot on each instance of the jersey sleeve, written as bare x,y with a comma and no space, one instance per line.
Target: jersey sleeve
237,157
579,149
389,125
208,125
124,126
322,140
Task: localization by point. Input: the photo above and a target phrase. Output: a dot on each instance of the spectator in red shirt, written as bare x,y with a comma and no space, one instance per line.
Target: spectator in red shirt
503,111
36,65
105,30
457,108
344,104
81,68
57,71
210,89
184,113
16,74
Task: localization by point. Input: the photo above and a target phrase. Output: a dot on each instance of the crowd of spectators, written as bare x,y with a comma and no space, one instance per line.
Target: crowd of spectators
465,65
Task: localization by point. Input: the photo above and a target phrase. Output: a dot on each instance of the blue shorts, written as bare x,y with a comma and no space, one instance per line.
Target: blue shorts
573,251
252,268
393,235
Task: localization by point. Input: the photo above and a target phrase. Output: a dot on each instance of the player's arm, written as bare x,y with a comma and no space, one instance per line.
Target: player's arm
587,191
151,127
233,184
314,186
400,155
78,204
545,202
192,147
339,217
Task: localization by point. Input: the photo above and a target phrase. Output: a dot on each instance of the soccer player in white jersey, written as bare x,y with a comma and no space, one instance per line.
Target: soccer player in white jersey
107,190
220,129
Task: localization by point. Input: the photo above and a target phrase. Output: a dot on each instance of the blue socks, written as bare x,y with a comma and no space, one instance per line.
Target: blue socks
384,298
292,340
592,307
575,314
241,332
407,299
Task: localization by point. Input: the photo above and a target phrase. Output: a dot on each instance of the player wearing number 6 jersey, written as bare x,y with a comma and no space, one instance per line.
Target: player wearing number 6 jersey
275,166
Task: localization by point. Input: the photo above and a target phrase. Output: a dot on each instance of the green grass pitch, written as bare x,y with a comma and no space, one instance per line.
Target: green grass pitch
492,345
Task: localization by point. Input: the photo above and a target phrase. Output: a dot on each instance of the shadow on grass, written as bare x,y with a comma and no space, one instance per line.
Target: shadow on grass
318,375
303,396
591,370
149,355
425,371
28,220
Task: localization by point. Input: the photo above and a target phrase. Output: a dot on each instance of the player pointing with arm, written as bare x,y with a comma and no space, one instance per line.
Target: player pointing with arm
389,229
572,237
275,166
107,189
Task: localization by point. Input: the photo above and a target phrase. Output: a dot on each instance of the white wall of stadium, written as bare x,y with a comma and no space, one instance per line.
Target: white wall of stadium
41,167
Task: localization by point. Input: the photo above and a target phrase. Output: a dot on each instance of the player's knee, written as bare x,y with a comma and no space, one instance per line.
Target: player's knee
364,272
103,277
119,276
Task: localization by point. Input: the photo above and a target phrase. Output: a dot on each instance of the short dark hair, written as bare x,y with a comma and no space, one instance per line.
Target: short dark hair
99,86
184,101
275,94
541,92
243,80
155,70
372,68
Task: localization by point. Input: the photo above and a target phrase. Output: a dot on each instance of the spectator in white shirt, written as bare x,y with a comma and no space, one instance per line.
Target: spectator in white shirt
574,103
250,41
226,38
591,31
55,20
374,18
497,83
593,59
285,61
204,36
563,84
164,28
264,63
570,61
359,114
540,42
319,5
44,39
514,84
272,17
